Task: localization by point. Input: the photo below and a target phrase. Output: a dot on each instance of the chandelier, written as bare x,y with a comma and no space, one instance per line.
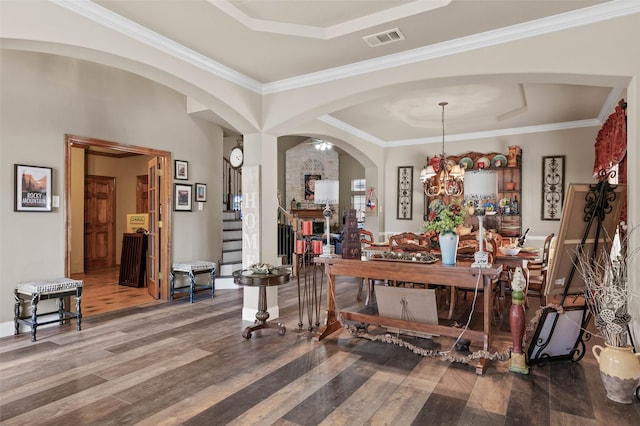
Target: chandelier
440,177
322,145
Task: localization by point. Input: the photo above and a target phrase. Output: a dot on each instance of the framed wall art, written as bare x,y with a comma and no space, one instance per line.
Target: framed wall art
552,187
201,192
182,196
405,193
181,170
32,188
310,186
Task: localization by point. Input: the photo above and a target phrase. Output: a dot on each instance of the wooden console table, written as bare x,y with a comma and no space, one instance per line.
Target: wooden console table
462,276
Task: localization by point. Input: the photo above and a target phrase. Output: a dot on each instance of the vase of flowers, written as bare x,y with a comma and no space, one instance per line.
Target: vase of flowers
443,219
607,298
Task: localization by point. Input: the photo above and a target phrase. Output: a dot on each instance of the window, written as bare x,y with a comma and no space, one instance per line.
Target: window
358,198
358,185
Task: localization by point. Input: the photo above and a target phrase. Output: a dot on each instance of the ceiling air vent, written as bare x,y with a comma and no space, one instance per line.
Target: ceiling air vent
384,37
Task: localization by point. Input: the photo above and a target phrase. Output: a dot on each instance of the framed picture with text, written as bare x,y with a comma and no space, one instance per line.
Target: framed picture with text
32,188
182,196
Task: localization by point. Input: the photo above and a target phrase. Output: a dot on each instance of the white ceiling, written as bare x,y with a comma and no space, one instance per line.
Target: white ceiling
270,44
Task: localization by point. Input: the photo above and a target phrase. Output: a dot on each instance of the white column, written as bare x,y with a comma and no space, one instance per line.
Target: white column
259,215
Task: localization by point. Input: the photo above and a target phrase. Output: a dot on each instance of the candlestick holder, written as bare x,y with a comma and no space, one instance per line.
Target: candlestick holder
309,293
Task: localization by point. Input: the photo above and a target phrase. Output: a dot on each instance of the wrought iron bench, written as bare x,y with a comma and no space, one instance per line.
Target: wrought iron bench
34,291
191,269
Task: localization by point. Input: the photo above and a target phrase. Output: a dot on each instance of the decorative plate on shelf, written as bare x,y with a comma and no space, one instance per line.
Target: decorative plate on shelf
466,163
499,161
483,163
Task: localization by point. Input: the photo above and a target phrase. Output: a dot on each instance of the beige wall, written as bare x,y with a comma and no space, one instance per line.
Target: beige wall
43,97
350,169
578,167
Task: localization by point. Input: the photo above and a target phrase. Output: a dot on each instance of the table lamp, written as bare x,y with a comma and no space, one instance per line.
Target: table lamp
327,192
481,257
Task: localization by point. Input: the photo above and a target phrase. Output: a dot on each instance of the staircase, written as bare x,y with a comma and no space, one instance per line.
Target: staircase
231,249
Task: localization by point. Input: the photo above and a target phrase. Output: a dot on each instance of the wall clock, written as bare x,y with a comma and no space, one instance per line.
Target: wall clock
236,157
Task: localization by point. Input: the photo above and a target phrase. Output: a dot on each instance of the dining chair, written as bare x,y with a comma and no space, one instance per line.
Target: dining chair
409,242
366,239
538,271
490,246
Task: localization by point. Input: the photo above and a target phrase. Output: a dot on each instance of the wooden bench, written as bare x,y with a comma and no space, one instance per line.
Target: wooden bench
191,269
34,291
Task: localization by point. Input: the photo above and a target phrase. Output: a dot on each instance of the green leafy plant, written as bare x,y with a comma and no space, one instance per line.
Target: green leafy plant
444,218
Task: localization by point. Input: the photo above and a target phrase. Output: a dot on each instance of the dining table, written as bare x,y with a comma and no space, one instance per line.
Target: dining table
461,275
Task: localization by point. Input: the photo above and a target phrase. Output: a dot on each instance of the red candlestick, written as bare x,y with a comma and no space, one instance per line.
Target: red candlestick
300,245
307,228
317,247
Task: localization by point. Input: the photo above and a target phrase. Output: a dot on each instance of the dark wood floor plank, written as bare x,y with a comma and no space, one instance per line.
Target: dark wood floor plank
529,409
566,393
479,417
440,410
324,401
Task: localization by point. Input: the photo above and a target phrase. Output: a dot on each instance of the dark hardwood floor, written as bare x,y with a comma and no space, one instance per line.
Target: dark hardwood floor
179,363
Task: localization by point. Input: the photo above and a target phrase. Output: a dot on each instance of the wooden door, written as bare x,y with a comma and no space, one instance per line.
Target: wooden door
142,194
99,223
154,238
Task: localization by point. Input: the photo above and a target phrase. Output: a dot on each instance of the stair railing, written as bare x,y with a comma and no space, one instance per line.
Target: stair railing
232,186
288,229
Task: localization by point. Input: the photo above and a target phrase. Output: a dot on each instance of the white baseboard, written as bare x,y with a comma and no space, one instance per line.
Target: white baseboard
8,328
225,283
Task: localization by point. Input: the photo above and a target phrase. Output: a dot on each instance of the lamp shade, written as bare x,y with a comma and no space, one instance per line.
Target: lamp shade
327,191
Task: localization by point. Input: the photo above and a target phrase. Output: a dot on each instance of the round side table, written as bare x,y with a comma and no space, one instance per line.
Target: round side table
250,278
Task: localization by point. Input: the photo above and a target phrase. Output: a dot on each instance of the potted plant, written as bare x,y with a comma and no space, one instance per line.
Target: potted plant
607,298
443,219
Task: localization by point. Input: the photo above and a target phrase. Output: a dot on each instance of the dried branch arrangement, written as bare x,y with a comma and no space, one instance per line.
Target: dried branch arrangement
607,291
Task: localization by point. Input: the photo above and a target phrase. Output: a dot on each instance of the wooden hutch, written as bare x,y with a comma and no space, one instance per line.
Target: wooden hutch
505,199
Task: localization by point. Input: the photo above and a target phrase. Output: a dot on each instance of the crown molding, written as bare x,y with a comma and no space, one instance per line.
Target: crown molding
332,31
339,124
542,128
586,16
152,39
610,103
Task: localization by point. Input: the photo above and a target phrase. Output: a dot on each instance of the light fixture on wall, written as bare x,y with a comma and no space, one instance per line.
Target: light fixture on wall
327,192
441,178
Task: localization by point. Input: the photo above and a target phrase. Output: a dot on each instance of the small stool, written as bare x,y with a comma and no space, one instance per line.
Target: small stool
57,288
191,269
